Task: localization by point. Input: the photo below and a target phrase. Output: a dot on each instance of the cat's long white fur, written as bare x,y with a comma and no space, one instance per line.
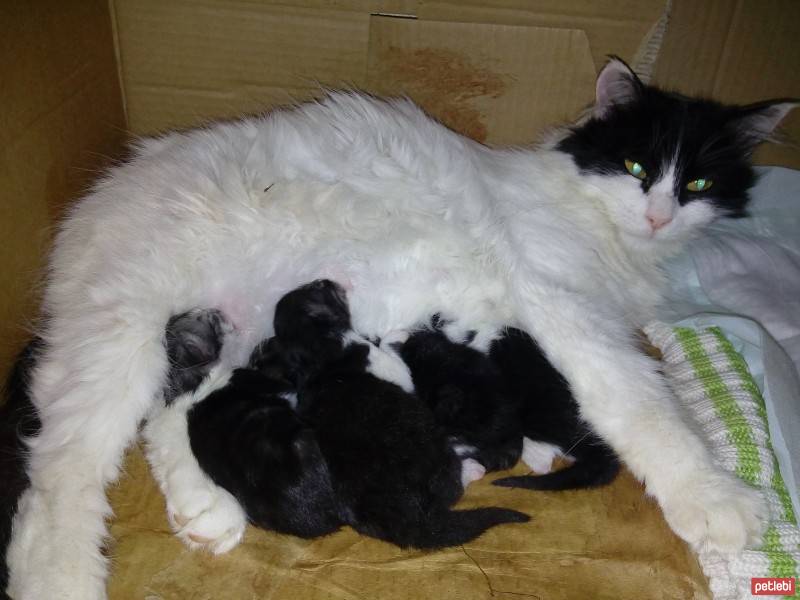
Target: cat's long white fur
418,220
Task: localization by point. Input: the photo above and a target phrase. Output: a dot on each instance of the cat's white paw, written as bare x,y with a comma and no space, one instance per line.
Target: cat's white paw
539,456
716,512
205,516
471,470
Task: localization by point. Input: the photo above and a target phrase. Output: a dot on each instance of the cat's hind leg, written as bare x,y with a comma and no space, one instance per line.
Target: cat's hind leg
95,379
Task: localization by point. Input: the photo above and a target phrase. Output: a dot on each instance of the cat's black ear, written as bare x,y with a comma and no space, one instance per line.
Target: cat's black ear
755,123
616,85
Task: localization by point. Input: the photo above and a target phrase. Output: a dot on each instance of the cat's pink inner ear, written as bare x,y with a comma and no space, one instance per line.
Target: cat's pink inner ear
761,119
616,85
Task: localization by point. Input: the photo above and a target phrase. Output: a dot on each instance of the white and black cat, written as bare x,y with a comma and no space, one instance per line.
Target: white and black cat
564,241
487,400
358,450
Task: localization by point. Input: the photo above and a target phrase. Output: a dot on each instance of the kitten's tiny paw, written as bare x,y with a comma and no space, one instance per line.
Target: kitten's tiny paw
539,456
477,335
389,367
220,322
393,341
395,337
212,521
458,332
471,470
716,512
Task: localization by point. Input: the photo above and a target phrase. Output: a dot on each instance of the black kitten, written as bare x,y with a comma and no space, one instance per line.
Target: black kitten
550,414
487,402
470,397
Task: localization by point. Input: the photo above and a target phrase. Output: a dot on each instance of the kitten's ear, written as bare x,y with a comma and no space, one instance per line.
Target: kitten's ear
755,123
616,85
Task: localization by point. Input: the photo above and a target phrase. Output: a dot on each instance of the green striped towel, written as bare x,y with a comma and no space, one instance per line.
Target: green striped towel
713,383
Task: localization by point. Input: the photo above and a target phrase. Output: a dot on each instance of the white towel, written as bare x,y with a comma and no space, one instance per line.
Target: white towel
713,383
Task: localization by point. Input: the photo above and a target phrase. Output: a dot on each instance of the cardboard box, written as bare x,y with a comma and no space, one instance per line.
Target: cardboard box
81,76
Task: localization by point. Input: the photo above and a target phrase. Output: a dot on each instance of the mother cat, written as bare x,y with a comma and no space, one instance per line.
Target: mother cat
564,241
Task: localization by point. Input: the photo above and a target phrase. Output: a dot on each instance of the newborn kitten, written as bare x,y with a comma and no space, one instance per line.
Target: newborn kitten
550,420
247,437
360,450
468,394
487,402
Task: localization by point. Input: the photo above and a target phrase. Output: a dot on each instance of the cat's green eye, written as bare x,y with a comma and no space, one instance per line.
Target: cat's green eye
635,169
699,185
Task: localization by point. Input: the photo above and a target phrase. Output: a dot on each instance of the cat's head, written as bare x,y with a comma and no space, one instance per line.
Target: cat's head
666,164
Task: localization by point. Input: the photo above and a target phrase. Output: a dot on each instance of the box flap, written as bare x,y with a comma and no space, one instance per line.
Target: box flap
611,26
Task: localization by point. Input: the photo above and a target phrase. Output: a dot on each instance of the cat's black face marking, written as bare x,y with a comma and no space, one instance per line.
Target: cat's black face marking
695,138
660,130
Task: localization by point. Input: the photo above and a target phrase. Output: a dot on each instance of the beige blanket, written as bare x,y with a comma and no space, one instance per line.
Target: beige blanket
611,543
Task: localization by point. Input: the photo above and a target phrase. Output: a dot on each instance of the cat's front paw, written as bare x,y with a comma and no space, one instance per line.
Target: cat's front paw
205,516
716,512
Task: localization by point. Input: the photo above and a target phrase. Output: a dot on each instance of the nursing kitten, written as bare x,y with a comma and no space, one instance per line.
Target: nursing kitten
249,439
550,420
564,240
488,400
359,451
471,399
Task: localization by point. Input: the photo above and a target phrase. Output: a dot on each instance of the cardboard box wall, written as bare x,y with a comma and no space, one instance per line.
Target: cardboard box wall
79,77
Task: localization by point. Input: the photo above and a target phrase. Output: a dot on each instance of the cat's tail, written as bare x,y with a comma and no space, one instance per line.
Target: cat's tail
456,527
590,470
18,420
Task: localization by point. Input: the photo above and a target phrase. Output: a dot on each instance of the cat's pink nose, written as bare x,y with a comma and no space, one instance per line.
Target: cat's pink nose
657,223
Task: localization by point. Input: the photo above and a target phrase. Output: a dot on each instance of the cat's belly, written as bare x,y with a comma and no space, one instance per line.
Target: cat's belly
399,268
130,259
